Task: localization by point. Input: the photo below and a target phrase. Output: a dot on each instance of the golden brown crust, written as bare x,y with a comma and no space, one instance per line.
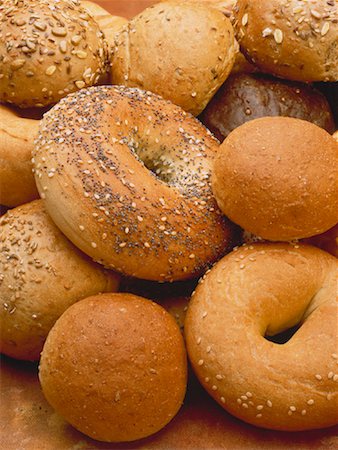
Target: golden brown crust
17,134
115,367
48,51
293,39
126,177
260,290
181,51
270,178
109,24
42,274
225,6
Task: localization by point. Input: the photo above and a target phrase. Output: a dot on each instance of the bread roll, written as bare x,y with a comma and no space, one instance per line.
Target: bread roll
293,39
47,51
181,51
115,367
277,178
225,6
42,274
244,97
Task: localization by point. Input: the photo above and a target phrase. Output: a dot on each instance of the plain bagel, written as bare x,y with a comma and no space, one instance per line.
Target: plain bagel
126,176
262,290
17,134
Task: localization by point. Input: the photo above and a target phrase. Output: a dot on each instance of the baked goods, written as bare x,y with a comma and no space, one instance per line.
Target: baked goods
109,24
225,6
293,39
42,274
244,97
141,167
257,291
335,136
122,380
276,177
17,134
181,51
48,51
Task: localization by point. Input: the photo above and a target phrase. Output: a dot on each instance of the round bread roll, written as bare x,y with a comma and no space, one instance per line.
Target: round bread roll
276,177
293,39
181,51
42,274
257,291
48,51
225,6
245,97
115,367
141,167
17,134
110,25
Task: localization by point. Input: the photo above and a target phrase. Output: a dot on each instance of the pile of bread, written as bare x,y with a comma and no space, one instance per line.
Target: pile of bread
114,179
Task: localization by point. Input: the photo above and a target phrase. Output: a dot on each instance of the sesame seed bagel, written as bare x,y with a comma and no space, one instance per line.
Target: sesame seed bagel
115,367
257,291
17,134
181,51
126,176
48,49
293,39
42,274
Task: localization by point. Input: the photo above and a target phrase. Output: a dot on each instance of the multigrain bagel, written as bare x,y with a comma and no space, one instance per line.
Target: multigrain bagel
42,274
17,134
47,50
262,290
126,176
181,51
292,39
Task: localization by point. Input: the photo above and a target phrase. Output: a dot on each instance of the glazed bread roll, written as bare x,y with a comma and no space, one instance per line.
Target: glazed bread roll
277,178
181,51
42,274
244,97
109,24
259,291
122,380
126,176
293,39
48,51
17,134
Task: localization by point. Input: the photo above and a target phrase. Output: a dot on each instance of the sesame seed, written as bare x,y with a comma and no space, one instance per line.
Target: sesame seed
59,31
50,70
200,362
81,54
258,416
93,244
245,405
245,19
330,375
81,227
310,402
269,403
146,244
219,377
318,377
80,84
222,399
325,28
214,387
293,408
335,377
192,256
239,401
204,314
290,413
303,412
278,36
123,244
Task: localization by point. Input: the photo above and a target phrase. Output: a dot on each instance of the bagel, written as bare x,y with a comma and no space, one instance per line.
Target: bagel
292,39
17,134
270,178
141,167
181,51
110,25
48,51
262,290
42,274
244,97
122,380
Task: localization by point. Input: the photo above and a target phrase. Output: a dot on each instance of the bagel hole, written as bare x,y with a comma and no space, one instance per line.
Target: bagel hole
284,336
156,162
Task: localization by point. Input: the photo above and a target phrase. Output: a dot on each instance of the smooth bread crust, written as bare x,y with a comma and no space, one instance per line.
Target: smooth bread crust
126,176
181,51
17,134
293,39
48,49
115,367
276,177
261,290
42,274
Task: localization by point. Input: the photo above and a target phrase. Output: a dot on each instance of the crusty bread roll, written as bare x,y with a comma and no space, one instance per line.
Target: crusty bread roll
293,39
277,178
48,51
181,51
42,274
115,367
17,134
244,97
109,24
257,291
